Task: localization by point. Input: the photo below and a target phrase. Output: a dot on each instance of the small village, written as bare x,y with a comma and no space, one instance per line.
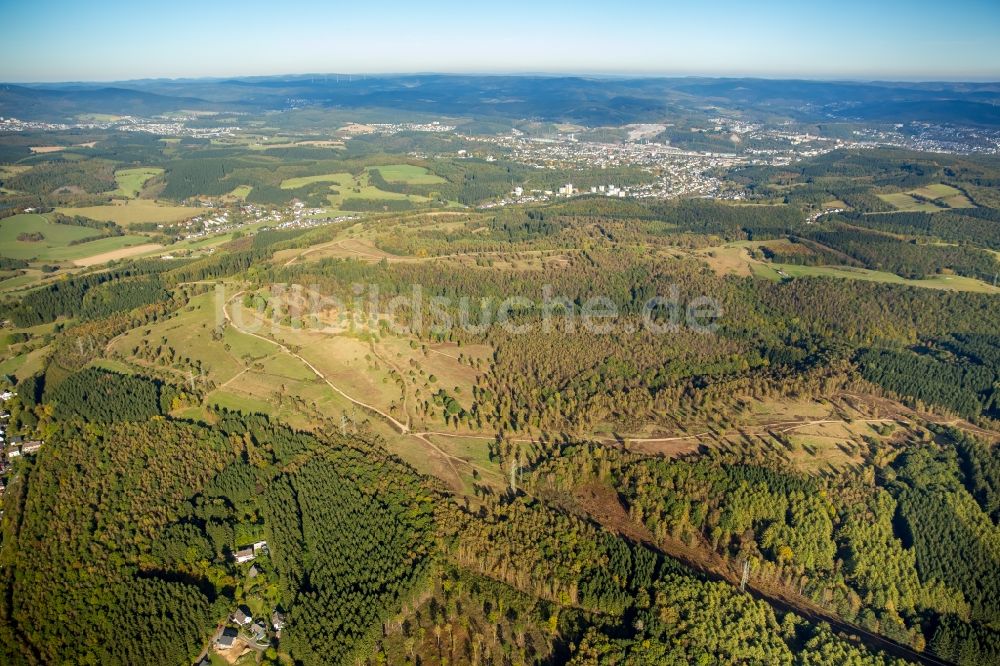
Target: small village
12,446
254,626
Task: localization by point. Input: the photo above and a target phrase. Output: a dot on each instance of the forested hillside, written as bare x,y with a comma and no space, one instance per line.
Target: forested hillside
324,386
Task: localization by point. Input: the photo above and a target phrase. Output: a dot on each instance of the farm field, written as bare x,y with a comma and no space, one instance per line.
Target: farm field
133,211
119,253
946,195
98,117
904,202
55,244
936,191
409,174
106,248
347,186
339,179
55,235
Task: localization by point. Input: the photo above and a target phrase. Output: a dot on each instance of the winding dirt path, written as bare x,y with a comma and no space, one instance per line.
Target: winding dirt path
402,428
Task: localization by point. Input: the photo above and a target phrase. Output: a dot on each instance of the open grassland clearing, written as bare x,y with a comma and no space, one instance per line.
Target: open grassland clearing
32,331
182,344
730,259
361,249
947,282
338,179
52,235
473,449
236,402
938,191
465,459
245,373
20,279
429,368
349,364
27,364
112,365
246,346
10,170
346,360
935,191
239,193
735,259
823,436
131,181
394,375
408,174
134,211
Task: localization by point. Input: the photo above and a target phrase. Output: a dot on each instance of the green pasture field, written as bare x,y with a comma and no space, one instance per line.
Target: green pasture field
240,192
936,191
409,174
131,181
906,203
338,179
946,194
345,185
55,244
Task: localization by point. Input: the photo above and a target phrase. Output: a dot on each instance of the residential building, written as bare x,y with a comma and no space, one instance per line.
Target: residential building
226,638
259,631
31,446
244,555
242,616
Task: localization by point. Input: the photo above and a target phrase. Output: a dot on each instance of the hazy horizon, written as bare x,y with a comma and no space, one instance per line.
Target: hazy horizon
527,74
848,40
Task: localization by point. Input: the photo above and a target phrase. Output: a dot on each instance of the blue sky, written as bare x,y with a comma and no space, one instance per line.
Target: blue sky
90,40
